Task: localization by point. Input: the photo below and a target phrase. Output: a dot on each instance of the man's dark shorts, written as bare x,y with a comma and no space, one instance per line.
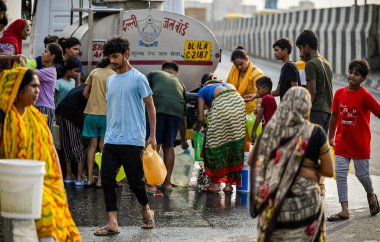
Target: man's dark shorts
167,127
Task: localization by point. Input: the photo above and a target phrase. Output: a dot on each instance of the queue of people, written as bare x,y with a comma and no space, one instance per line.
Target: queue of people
122,111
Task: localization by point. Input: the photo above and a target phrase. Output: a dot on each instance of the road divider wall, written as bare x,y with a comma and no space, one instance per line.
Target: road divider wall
344,34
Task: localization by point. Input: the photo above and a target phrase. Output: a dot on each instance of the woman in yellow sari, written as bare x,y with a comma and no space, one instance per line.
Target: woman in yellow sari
25,135
243,76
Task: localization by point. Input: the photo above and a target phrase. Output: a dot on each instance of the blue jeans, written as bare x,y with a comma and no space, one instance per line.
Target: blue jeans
361,172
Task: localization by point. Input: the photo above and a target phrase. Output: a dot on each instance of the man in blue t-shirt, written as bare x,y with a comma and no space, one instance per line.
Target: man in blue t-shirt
127,94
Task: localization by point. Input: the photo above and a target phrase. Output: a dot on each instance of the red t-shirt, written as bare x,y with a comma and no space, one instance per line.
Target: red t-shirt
353,134
269,104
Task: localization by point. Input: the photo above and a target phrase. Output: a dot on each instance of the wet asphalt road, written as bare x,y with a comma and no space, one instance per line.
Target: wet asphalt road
184,207
188,214
184,214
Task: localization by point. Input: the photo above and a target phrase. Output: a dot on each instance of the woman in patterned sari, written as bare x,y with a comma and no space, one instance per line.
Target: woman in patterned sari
11,42
25,135
290,156
224,137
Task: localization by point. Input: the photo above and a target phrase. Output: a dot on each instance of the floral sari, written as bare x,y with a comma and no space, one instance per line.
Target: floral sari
289,207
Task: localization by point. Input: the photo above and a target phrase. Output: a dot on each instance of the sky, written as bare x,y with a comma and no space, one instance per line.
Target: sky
318,3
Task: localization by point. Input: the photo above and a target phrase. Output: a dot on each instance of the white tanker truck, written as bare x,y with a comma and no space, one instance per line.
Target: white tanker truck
155,36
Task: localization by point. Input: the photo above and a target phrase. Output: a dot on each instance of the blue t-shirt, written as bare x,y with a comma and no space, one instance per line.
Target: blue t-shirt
62,87
206,92
126,108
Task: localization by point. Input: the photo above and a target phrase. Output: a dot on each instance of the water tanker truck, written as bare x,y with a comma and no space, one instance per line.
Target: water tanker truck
155,36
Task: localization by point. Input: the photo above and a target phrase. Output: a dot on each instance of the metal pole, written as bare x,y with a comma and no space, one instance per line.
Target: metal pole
71,13
80,12
119,29
90,37
356,2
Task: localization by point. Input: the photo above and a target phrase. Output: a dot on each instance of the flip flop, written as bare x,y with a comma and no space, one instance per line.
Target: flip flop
337,217
151,189
164,189
149,221
105,231
374,208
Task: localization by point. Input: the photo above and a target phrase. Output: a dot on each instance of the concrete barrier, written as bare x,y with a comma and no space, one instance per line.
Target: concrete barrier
344,34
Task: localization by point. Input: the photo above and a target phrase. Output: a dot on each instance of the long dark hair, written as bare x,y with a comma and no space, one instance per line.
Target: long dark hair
51,39
56,50
28,77
68,43
104,63
206,77
239,53
69,64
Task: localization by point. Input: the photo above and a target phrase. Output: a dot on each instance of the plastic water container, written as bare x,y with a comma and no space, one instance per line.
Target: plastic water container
21,188
245,185
198,144
182,170
154,167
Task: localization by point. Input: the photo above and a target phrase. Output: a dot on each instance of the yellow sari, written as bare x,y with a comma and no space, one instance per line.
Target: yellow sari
27,136
247,84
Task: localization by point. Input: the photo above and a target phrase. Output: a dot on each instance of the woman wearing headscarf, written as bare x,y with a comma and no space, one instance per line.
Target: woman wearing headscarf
285,173
224,136
11,42
27,136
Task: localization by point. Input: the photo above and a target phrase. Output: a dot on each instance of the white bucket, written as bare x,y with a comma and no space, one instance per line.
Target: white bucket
21,188
245,185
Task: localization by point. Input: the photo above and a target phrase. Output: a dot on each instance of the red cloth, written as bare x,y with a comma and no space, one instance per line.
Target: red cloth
269,104
13,34
353,110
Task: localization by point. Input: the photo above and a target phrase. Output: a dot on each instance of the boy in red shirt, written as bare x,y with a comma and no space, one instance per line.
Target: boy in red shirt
268,103
350,134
